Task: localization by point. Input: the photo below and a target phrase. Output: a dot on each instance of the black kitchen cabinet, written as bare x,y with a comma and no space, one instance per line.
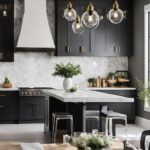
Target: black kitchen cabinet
9,109
31,109
106,40
69,43
7,31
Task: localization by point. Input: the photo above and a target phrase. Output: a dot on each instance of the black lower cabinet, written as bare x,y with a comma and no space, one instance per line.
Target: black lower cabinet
31,109
9,106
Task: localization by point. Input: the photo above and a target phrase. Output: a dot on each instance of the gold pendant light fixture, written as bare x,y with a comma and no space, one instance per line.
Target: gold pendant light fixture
116,15
70,13
77,26
90,18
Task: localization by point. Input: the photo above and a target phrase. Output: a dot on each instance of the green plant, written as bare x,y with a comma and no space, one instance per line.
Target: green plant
143,91
111,75
67,71
92,80
73,89
6,81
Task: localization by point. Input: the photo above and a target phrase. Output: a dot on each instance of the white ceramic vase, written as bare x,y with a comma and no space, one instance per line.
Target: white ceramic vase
67,84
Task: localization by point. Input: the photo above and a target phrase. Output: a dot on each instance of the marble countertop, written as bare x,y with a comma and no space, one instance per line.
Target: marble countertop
111,88
86,96
9,89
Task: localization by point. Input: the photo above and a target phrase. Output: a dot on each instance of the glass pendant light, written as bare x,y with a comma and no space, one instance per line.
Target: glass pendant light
77,26
70,13
116,15
90,18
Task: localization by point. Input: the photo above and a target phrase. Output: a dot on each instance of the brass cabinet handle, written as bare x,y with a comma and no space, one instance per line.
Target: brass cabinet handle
2,95
81,49
114,49
68,49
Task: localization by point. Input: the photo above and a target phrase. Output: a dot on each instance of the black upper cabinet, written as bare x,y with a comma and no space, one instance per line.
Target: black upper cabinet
106,40
7,31
68,43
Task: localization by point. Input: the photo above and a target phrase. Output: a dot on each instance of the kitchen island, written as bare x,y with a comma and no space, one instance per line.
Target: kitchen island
77,103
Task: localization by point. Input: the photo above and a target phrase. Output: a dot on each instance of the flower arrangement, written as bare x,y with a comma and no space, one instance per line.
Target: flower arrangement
92,142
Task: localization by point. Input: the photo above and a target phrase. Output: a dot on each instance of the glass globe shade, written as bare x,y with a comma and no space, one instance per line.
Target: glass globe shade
78,28
116,17
70,14
90,21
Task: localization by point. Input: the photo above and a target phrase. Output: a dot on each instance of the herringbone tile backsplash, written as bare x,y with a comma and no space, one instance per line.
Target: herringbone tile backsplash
35,69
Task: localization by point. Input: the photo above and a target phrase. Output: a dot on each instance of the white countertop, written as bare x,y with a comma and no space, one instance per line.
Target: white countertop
110,88
9,89
86,96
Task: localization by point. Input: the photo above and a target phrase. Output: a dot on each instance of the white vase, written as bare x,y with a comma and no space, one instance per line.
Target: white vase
67,84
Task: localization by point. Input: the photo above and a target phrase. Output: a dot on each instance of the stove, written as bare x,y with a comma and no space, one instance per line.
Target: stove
35,91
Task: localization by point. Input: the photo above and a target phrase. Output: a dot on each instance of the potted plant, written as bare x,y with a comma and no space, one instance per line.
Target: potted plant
92,82
7,83
67,72
144,92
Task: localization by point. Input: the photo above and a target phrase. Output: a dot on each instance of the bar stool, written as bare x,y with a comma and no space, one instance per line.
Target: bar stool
92,115
111,115
60,116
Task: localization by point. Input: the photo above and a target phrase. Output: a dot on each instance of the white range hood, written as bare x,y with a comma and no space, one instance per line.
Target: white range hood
35,30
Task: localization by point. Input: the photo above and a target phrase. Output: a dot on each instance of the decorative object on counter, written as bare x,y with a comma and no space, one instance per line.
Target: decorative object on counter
104,83
111,79
73,89
144,91
122,78
92,142
70,13
92,82
116,15
7,83
98,81
67,72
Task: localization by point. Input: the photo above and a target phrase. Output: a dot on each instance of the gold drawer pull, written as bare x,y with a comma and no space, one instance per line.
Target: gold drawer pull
2,95
81,49
68,49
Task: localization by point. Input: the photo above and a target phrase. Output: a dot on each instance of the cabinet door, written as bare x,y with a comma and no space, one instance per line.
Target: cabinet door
7,32
63,48
39,102
27,109
98,35
9,106
125,30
